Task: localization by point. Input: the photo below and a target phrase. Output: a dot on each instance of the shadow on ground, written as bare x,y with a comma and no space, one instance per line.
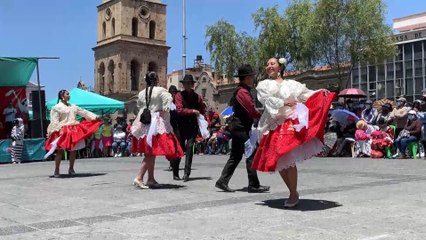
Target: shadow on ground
199,178
304,204
167,186
79,175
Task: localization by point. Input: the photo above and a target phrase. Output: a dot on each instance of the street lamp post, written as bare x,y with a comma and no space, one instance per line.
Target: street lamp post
183,38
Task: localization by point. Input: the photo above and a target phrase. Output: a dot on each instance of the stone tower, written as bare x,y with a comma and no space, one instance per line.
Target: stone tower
131,41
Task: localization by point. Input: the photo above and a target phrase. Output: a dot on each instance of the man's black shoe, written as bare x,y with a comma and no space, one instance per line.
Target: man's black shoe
185,178
224,187
259,189
176,178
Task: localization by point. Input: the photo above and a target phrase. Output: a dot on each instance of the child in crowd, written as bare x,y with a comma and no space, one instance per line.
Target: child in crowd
362,139
107,136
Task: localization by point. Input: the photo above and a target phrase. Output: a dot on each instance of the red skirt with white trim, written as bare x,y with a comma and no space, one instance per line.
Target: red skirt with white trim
284,146
165,144
69,136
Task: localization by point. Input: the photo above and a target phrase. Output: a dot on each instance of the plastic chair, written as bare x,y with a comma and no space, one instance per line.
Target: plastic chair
413,149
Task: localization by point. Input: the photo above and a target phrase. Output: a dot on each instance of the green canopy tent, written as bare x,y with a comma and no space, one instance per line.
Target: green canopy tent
16,71
90,101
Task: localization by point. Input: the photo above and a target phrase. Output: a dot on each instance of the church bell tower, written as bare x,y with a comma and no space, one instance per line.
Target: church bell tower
131,41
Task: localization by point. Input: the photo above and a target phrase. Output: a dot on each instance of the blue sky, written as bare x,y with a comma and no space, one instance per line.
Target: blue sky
67,29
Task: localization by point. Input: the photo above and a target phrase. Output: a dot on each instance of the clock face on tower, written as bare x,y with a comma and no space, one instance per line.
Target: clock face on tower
144,12
108,14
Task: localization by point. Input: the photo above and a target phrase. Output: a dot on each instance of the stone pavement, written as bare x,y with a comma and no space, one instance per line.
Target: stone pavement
342,198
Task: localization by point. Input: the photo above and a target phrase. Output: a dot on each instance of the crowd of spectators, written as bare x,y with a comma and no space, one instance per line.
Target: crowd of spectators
392,130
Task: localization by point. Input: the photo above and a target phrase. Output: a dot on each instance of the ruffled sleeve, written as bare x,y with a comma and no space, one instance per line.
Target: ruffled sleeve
86,114
54,121
267,91
294,91
166,99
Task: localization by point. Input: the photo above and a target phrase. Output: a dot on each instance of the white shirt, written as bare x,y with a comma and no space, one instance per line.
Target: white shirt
63,115
9,114
119,136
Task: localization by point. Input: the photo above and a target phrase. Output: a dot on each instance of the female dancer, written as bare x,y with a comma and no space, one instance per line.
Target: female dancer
66,133
153,135
291,127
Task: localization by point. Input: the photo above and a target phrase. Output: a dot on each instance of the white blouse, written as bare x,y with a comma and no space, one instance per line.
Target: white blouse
279,101
63,115
161,100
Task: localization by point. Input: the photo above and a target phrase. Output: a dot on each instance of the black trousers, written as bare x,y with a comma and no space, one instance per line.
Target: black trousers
237,151
186,137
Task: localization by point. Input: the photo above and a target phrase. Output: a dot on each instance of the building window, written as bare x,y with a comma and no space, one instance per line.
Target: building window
113,26
408,52
134,75
134,27
203,93
152,66
103,30
204,79
152,29
101,78
111,67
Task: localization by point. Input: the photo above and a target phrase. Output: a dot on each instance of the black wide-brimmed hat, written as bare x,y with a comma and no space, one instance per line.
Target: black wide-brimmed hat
188,78
173,89
245,70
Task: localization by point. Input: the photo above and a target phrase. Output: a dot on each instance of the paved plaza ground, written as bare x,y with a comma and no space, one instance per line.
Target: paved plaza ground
342,198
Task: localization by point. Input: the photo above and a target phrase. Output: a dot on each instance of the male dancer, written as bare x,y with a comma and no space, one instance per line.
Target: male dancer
189,105
244,115
174,163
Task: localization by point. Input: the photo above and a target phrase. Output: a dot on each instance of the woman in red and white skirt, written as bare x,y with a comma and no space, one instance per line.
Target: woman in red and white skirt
66,133
291,127
154,137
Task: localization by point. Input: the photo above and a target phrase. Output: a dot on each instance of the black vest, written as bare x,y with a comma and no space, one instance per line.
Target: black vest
241,120
189,101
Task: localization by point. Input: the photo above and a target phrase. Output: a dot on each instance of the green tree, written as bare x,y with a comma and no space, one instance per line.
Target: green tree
222,43
299,20
351,31
336,33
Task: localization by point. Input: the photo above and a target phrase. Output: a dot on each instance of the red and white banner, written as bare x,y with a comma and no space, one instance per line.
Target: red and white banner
17,96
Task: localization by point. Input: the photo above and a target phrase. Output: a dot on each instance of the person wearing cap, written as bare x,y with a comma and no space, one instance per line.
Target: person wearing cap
399,115
369,114
174,164
384,114
189,105
245,114
417,105
411,133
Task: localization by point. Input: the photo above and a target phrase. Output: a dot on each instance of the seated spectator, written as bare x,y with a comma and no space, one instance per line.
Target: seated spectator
347,136
369,114
380,141
362,140
410,133
212,144
119,141
223,136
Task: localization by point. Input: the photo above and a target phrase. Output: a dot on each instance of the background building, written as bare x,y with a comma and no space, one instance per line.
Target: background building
404,74
131,41
208,85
